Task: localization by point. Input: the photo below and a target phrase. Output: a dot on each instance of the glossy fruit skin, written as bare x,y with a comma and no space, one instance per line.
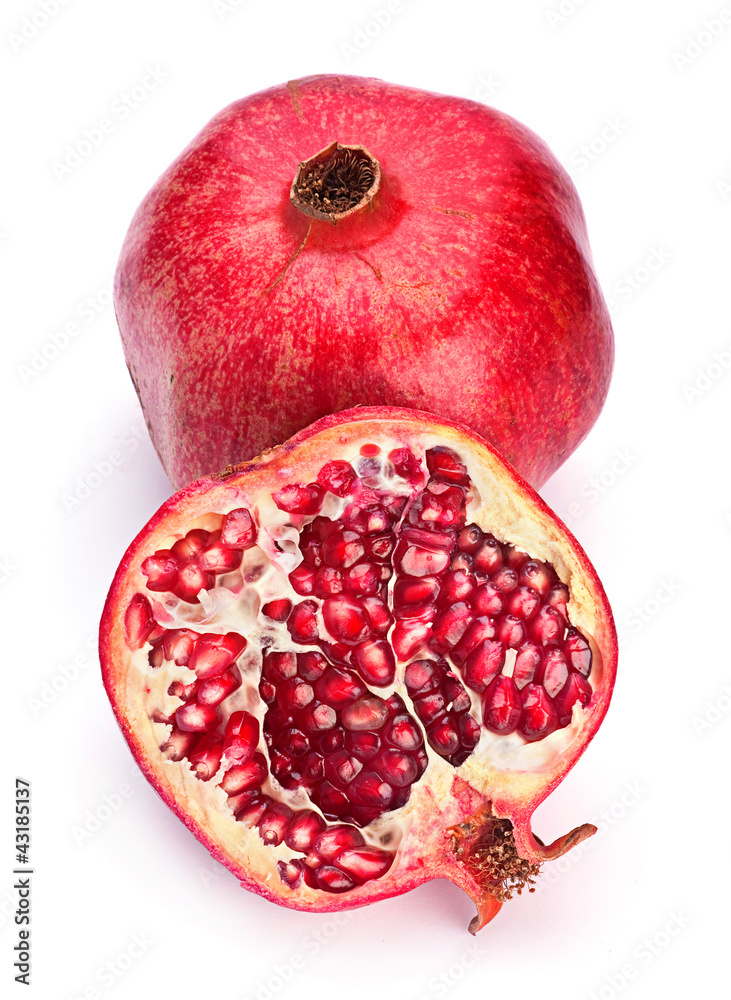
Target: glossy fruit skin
446,818
464,288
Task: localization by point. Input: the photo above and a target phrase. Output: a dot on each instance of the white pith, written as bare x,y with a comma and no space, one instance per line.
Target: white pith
503,764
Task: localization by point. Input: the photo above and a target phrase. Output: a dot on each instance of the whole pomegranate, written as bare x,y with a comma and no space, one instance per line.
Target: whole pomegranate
339,241
360,662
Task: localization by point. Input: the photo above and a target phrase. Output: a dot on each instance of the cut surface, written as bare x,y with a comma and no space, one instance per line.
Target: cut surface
329,658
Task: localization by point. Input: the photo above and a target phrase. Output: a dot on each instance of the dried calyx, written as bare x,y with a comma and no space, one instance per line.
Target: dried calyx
336,182
361,662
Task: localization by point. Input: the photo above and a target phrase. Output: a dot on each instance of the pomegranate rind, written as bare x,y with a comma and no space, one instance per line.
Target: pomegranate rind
451,796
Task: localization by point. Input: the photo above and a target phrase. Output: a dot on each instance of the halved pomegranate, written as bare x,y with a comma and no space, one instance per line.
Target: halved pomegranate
360,662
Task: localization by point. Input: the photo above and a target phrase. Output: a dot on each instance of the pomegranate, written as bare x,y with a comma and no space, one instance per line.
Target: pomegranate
339,241
360,662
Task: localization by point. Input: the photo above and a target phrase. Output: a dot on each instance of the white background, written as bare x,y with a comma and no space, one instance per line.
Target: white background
124,899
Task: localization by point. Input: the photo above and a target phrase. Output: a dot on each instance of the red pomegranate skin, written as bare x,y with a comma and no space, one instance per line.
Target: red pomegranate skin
465,287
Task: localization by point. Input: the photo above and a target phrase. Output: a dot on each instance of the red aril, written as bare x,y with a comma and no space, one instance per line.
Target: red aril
341,241
335,750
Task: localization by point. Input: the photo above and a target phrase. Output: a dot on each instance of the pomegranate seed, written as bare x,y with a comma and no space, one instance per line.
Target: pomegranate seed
536,575
196,718
343,549
505,579
368,789
406,465
487,660
299,499
368,713
138,622
408,636
576,689
214,690
279,666
217,558
241,737
245,777
488,600
178,744
449,627
403,733
331,800
443,737
362,580
314,767
274,822
317,718
422,676
501,705
380,547
523,602
396,767
364,863
469,538
278,610
156,657
333,739
516,558
527,663
415,590
558,597
445,464
186,549
183,691
331,879
337,477
178,644
546,626
253,811
457,585
191,579
291,872
334,839
363,745
328,582
538,717
303,830
346,620
488,557
430,707
238,531
302,623
482,628
375,662
415,560
511,631
554,672
311,665
206,757
341,768
378,613
294,694
161,570
339,688
214,653
303,580
578,652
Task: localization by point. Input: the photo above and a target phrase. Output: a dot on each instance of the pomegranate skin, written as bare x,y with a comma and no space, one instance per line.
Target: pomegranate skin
464,287
459,815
